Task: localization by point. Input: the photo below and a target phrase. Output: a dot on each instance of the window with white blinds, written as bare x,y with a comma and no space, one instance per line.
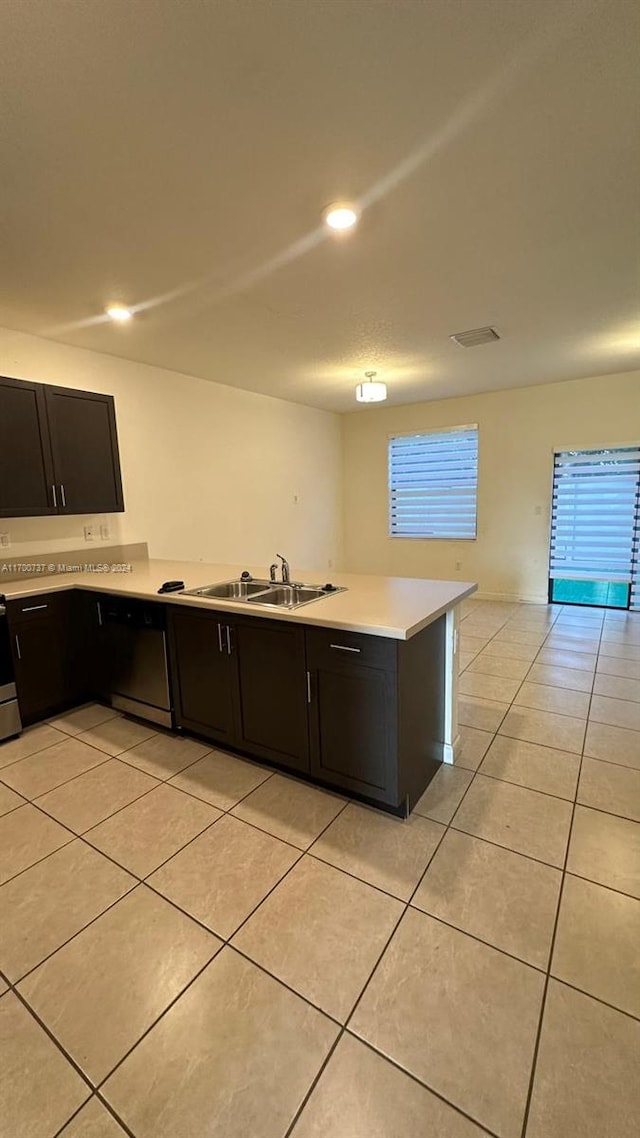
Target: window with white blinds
433,484
594,527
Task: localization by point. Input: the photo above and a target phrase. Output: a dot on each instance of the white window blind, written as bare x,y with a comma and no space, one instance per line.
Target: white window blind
634,600
433,483
595,503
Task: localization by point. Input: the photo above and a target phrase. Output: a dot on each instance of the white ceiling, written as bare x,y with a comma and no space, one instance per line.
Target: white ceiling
181,151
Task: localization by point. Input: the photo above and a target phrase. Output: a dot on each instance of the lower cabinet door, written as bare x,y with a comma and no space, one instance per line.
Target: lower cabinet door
203,674
272,707
45,655
40,670
353,729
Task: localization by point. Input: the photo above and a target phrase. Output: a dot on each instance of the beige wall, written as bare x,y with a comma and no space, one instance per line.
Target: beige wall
209,472
518,431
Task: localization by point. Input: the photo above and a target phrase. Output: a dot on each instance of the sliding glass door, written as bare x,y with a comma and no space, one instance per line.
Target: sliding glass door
595,528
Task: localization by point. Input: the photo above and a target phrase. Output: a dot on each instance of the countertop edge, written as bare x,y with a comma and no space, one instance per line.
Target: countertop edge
17,590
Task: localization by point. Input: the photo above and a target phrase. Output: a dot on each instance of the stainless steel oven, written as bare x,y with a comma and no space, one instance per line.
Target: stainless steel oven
9,713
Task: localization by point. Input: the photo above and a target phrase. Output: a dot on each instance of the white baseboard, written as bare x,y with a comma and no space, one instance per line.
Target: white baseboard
514,598
449,751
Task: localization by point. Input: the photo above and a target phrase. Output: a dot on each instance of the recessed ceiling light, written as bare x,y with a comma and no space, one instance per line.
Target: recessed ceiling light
119,313
341,215
373,391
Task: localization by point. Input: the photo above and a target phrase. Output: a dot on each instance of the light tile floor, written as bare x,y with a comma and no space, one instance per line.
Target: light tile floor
194,945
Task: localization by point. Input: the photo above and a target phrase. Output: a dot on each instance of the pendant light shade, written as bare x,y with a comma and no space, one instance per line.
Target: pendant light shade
373,391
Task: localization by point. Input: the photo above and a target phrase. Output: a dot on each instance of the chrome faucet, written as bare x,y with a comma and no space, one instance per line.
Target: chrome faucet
285,569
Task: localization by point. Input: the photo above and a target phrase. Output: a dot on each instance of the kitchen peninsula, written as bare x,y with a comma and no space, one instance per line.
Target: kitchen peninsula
356,690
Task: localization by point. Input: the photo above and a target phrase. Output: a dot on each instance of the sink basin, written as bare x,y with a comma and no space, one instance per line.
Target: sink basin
230,590
263,592
289,596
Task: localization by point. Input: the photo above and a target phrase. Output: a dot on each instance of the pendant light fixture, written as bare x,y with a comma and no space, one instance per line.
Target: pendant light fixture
373,391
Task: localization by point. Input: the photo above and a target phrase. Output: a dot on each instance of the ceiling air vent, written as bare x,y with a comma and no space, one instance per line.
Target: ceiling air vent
474,336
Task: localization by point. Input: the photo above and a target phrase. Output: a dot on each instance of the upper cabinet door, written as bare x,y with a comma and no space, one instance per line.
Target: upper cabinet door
26,472
84,446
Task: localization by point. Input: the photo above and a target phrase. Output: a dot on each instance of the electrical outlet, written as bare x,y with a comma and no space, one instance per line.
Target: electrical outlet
458,565
5,540
105,533
89,533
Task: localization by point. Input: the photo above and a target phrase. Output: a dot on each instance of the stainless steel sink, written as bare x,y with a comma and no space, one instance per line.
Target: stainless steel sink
289,596
263,592
230,590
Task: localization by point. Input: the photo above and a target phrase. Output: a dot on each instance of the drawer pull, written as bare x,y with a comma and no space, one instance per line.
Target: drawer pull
35,608
344,648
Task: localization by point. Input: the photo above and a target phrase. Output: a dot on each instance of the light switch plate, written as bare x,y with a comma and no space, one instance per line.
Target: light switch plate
105,532
5,540
89,533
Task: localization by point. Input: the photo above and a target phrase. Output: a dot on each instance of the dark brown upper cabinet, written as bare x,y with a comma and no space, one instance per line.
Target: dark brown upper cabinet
26,469
84,448
58,451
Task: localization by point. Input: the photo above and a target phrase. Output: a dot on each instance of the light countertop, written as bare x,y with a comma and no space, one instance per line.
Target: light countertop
395,607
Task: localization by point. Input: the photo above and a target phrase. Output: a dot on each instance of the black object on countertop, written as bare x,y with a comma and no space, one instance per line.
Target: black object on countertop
171,587
329,588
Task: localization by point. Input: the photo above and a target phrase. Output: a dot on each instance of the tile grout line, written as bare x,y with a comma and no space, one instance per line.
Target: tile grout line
225,943
345,1026
85,1104
543,1004
407,906
145,880
308,851
106,759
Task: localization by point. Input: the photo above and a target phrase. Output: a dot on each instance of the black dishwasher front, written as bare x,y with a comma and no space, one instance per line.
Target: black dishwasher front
134,666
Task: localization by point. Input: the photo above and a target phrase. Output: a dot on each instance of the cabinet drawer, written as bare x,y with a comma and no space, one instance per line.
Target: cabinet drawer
328,647
47,606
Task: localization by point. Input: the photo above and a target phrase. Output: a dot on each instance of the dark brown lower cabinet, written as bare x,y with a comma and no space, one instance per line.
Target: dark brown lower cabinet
241,682
376,712
204,674
363,714
272,691
359,713
47,656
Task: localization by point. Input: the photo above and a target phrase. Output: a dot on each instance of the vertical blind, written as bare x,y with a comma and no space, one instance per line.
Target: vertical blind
433,483
595,514
634,600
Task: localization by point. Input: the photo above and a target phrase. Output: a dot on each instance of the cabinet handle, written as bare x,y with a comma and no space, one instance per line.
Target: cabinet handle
344,648
229,644
19,653
55,497
64,498
308,687
99,611
35,608
219,638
